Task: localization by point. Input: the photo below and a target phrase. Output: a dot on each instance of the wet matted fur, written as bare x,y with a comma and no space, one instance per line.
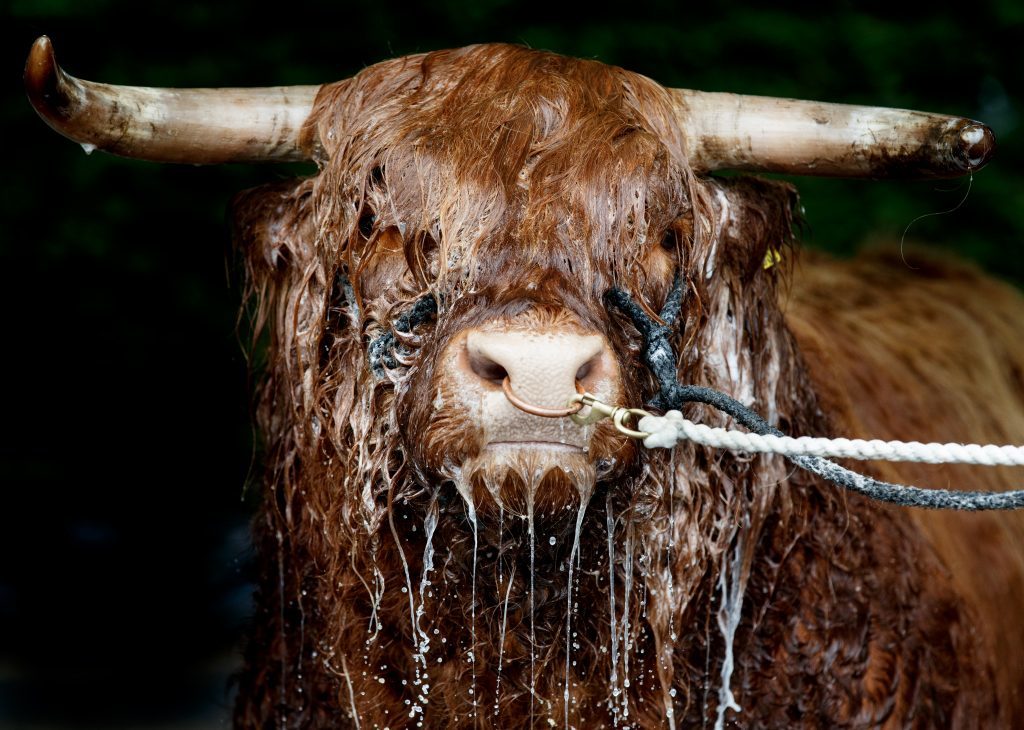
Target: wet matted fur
518,186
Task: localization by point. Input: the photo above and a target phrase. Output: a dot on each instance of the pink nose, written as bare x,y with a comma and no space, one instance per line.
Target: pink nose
543,368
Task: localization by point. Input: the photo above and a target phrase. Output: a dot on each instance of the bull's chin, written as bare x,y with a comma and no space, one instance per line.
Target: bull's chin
538,479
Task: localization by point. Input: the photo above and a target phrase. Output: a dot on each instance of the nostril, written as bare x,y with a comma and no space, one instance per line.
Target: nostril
487,368
542,368
590,368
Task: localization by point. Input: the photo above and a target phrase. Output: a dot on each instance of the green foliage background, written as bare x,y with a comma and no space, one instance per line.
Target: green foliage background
127,440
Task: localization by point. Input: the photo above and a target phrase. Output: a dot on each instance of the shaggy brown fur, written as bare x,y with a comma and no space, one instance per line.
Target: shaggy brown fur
917,347
518,186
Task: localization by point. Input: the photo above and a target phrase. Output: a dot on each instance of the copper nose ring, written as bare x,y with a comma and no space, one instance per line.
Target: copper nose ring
506,387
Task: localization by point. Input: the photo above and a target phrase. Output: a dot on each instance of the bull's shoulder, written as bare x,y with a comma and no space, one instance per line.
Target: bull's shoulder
920,347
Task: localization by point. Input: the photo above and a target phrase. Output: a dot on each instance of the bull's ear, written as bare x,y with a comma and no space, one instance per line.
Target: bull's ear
290,278
273,227
755,223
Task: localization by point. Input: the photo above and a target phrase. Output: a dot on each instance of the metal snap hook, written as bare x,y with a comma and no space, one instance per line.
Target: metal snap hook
600,410
621,414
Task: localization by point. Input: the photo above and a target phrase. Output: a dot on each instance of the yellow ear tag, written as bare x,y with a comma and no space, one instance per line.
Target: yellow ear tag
772,257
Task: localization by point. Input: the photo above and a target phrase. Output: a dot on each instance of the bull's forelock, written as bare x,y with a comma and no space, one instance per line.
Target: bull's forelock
470,154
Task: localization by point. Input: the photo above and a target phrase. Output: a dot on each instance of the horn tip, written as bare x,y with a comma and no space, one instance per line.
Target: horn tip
976,145
43,76
42,50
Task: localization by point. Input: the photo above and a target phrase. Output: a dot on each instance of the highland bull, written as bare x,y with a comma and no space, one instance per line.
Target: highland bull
433,555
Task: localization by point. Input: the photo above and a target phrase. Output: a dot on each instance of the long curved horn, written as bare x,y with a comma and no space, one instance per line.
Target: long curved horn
765,134
198,126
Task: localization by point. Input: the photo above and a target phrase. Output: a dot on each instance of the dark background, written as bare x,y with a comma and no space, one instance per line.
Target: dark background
126,446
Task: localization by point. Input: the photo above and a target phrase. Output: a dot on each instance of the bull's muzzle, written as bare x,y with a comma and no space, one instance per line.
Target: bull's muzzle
544,369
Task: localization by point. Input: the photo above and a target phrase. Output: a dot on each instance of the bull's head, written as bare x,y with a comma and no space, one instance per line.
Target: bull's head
471,213
515,188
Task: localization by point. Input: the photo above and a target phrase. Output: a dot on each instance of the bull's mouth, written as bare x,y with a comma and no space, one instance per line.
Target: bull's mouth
527,477
537,444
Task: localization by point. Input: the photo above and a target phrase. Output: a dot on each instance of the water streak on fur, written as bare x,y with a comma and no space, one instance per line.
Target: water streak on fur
501,537
533,633
504,612
665,669
472,607
417,707
613,680
627,589
422,678
501,645
373,626
584,502
731,586
351,692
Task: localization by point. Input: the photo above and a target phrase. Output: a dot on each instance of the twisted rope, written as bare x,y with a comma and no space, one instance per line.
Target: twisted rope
665,431
660,357
900,494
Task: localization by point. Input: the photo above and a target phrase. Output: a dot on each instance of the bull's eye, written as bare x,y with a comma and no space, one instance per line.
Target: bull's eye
678,233
658,265
366,222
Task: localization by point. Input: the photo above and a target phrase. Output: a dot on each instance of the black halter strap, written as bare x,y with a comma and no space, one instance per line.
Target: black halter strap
657,341
661,359
384,351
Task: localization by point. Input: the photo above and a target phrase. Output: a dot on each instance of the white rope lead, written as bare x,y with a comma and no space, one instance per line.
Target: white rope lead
665,431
